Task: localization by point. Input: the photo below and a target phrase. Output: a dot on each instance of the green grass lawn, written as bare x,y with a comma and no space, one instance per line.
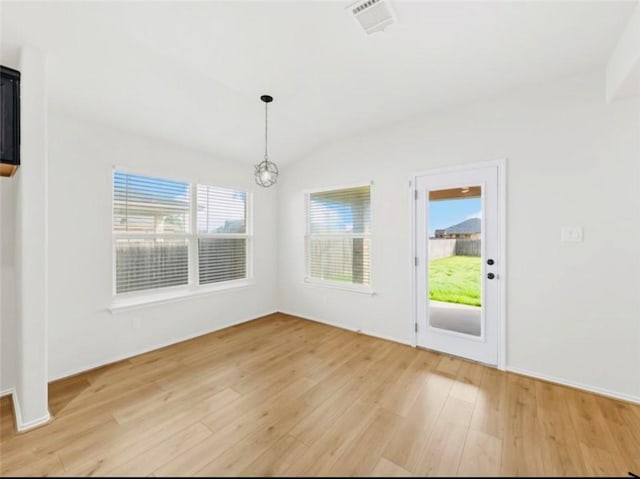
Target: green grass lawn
455,279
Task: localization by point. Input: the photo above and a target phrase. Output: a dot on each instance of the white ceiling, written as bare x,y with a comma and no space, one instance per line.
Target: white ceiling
192,72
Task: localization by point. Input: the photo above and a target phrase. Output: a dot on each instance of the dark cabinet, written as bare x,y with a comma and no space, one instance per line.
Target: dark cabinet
9,120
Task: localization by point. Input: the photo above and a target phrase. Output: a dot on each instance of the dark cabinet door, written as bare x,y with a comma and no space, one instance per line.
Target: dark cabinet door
9,116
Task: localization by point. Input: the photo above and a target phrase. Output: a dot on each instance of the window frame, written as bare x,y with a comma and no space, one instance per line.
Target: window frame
247,235
134,299
325,283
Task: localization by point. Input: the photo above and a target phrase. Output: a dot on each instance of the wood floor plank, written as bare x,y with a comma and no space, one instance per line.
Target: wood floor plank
124,444
490,411
315,424
49,440
107,396
49,465
311,427
386,468
6,420
468,380
339,373
623,424
408,443
443,451
401,394
590,423
521,444
283,389
210,388
276,459
481,455
234,459
599,462
145,463
322,453
282,396
560,449
449,365
363,455
236,427
386,374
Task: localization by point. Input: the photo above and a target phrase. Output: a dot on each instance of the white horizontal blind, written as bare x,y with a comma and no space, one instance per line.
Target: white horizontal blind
151,263
150,225
339,235
222,234
142,204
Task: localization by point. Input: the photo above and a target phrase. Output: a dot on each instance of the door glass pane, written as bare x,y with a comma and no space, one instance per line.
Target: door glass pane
454,259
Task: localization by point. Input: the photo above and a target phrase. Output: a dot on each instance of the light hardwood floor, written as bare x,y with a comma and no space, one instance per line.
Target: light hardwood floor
286,396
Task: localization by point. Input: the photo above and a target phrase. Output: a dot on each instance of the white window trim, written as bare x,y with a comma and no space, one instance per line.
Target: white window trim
336,285
177,293
137,299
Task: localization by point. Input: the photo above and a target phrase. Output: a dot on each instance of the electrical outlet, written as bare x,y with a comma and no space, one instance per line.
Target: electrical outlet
571,234
135,323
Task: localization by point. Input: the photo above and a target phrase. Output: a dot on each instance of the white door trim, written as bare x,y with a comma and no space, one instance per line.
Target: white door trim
502,214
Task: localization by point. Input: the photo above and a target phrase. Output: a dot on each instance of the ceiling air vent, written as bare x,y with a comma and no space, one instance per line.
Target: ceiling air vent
373,15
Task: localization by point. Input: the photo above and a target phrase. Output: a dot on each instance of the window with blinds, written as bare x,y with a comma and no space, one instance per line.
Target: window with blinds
222,234
339,236
175,234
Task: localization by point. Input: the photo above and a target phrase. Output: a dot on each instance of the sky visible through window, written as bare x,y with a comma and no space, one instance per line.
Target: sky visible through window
219,210
445,213
442,214
151,187
335,214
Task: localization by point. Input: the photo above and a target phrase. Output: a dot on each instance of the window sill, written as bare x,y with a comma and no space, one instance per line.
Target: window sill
122,304
366,290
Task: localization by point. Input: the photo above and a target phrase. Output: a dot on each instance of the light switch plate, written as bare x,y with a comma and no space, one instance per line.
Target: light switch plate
571,234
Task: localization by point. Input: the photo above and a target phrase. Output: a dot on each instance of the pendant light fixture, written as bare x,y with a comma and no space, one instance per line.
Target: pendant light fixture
266,171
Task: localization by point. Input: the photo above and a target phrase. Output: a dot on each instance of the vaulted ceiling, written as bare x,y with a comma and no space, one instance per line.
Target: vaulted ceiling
192,72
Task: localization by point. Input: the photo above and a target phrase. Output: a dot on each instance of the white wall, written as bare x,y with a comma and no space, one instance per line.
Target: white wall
8,313
9,323
573,308
31,245
623,68
82,332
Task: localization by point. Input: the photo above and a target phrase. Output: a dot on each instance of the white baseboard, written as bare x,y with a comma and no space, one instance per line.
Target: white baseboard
22,426
342,326
7,391
121,357
576,385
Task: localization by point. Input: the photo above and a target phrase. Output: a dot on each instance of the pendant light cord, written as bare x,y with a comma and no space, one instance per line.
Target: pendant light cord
266,172
266,122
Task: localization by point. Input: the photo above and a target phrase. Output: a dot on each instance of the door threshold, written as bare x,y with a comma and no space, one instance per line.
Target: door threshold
494,366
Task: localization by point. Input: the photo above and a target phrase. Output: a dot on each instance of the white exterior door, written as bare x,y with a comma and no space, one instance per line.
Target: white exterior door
458,260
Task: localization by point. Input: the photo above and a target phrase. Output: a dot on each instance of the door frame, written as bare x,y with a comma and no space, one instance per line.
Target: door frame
502,247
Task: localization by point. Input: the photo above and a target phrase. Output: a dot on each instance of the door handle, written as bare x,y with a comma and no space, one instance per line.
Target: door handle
491,276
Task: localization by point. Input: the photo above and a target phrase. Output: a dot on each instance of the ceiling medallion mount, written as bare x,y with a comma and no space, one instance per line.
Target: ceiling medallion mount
266,172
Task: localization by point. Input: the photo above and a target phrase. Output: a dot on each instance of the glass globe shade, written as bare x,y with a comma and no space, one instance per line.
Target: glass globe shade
266,173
